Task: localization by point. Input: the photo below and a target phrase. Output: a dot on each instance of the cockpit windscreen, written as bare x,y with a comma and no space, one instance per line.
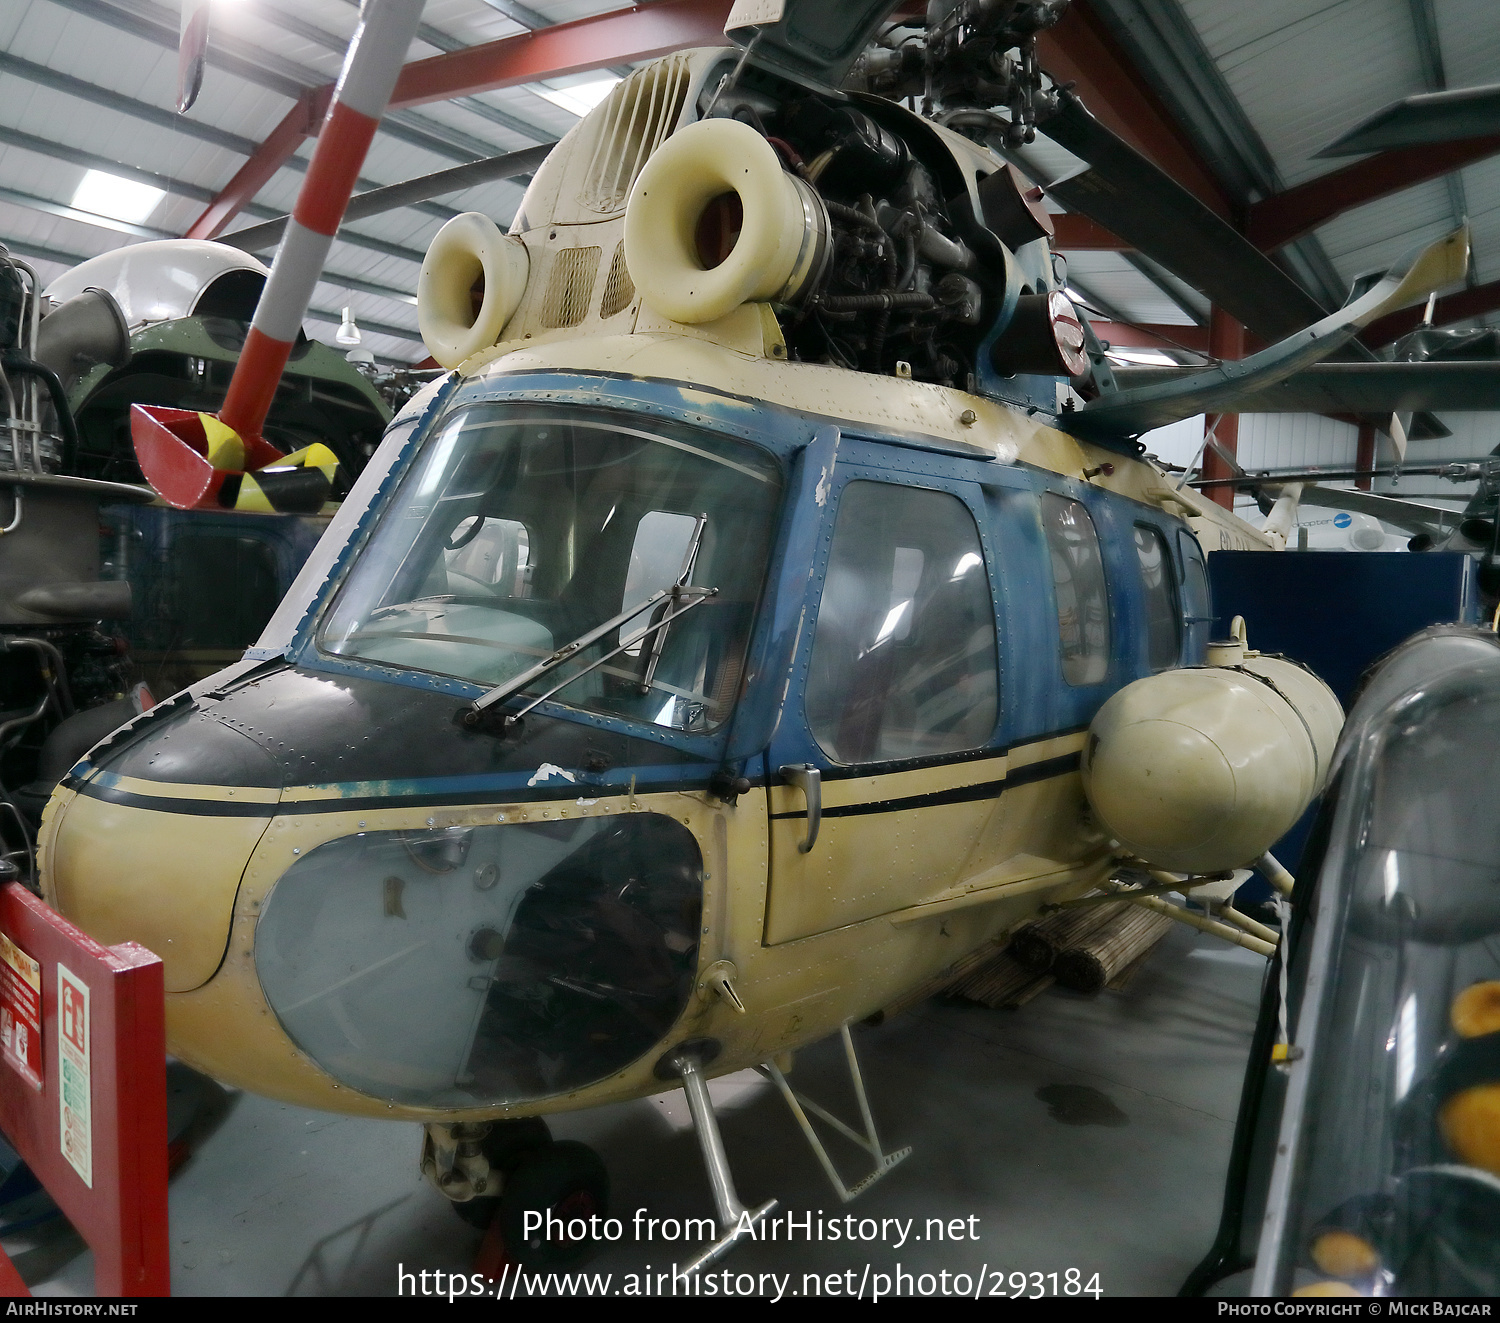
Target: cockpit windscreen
522,528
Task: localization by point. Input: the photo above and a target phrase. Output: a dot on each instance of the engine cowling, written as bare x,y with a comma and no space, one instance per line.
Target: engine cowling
1203,769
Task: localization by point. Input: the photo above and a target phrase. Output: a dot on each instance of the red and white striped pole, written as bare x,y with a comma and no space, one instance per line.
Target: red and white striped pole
376,54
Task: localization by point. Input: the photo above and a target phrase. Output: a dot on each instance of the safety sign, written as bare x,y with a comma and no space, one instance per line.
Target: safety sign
21,1012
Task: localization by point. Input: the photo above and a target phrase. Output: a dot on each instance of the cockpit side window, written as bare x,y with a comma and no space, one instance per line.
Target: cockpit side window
1197,599
1081,591
1159,584
904,658
663,541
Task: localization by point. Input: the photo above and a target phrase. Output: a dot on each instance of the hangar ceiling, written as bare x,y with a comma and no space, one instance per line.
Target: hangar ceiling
1234,100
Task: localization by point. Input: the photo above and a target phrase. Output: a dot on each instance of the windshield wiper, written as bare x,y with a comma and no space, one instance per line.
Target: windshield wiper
678,601
668,604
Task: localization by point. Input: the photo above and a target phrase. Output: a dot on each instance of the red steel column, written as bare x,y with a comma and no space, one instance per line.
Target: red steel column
1226,340
376,53
300,122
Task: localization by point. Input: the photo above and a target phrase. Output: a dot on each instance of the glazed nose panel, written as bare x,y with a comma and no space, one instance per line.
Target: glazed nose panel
481,965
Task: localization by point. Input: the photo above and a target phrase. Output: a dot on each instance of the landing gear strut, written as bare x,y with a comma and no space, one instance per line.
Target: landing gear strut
737,1222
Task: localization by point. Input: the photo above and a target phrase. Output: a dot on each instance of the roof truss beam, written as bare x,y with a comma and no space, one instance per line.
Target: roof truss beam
156,24
289,22
149,114
621,37
1430,52
90,161
590,43
1149,335
1300,210
47,206
57,151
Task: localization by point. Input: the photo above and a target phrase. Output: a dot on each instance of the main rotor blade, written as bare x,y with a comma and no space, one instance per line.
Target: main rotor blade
1429,117
1364,388
1412,516
1224,388
258,238
1137,200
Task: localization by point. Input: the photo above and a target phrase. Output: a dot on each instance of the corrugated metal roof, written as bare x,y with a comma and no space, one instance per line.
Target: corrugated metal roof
1118,285
1374,236
297,43
1301,71
1304,72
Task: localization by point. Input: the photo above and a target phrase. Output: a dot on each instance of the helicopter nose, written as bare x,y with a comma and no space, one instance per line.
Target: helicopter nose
129,857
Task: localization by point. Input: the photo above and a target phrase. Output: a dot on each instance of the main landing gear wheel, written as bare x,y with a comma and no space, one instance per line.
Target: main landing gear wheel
566,1179
537,1175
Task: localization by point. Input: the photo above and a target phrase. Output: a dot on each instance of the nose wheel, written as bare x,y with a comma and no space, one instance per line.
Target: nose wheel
550,1192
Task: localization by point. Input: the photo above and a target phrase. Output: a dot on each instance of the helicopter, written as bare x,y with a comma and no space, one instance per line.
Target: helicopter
770,605
109,594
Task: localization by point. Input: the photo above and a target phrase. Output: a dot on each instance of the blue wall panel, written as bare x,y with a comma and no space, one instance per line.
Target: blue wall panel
1336,611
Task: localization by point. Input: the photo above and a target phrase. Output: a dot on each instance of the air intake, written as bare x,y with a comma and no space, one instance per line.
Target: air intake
619,289
569,287
635,119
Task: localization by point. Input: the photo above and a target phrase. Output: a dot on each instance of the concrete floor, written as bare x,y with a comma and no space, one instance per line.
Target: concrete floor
1117,1172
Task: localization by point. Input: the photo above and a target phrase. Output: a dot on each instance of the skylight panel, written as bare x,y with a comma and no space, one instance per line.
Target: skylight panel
580,98
121,199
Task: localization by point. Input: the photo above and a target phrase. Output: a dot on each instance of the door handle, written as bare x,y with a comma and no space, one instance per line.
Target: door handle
809,781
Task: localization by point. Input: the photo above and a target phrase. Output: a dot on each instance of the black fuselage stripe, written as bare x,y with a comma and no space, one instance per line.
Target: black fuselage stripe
290,808
853,770
1040,771
198,808
224,808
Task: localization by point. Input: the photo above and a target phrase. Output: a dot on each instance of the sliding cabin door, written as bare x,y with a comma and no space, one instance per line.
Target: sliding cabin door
894,697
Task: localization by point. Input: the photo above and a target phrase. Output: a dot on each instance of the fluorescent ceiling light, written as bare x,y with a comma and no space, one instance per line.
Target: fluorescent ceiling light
122,199
580,98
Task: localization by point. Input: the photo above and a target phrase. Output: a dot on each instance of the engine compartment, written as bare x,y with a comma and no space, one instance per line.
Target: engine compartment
935,250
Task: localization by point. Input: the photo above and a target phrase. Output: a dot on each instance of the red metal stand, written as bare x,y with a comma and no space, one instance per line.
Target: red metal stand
111,1037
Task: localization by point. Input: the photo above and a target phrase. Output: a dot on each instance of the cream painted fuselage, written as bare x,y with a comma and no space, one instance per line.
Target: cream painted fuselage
367,907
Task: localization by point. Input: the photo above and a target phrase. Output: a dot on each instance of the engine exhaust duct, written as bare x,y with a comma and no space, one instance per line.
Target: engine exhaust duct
86,330
714,221
472,281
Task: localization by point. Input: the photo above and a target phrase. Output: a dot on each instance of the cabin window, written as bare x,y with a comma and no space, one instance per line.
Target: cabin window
1159,584
658,557
903,661
1197,599
1082,594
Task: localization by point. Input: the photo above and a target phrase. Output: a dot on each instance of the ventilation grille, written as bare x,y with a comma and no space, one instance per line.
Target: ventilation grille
619,289
632,123
570,287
